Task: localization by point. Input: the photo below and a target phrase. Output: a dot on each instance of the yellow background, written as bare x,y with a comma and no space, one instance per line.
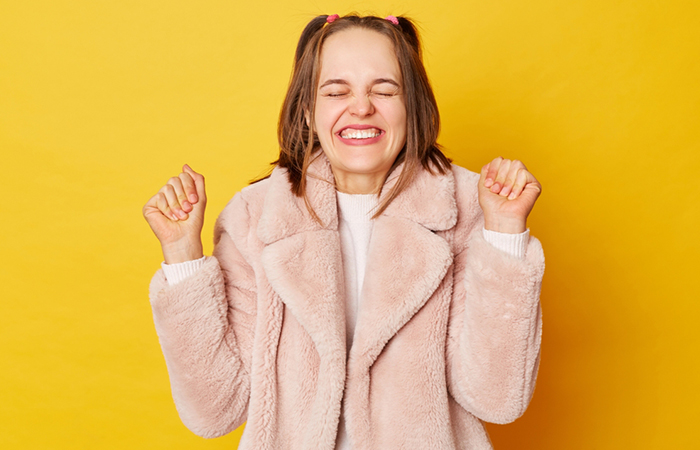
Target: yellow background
102,101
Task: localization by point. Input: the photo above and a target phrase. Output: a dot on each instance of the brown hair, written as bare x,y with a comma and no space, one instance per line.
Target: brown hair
297,139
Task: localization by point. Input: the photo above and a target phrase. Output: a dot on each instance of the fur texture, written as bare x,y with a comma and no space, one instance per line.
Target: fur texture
448,331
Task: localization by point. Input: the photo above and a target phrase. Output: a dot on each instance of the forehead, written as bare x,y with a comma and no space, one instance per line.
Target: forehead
357,54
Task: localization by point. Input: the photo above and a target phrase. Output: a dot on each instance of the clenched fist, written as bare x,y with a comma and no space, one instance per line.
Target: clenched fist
176,215
507,193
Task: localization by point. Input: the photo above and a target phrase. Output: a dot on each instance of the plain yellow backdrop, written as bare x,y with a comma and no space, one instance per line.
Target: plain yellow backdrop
101,102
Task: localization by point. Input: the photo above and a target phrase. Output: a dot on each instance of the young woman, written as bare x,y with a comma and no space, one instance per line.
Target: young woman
367,294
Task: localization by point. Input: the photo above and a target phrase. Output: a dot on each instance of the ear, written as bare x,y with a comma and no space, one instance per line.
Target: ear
307,117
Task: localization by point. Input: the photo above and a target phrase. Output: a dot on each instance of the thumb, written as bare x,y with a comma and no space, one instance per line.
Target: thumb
198,182
482,176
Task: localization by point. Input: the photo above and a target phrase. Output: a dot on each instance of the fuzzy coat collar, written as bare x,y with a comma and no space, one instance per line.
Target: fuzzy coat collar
428,201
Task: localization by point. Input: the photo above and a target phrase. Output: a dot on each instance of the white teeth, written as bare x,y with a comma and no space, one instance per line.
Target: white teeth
360,134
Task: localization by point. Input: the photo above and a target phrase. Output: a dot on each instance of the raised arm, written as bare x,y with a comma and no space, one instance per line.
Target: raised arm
495,320
205,323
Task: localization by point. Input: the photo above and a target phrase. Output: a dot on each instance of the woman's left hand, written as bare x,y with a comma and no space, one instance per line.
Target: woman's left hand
507,193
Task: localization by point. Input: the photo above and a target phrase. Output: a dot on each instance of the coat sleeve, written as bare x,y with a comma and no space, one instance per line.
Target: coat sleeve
206,325
495,328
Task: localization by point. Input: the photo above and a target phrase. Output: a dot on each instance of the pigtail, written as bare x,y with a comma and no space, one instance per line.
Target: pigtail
311,29
411,34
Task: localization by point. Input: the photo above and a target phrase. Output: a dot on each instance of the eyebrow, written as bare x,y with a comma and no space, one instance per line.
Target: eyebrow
344,82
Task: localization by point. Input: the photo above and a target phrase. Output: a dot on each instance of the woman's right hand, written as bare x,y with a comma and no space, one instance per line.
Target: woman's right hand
176,215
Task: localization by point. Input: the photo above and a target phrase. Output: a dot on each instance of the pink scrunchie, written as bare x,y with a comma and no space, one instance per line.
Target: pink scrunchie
392,19
331,18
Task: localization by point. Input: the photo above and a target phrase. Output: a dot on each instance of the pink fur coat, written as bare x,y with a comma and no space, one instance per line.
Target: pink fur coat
448,332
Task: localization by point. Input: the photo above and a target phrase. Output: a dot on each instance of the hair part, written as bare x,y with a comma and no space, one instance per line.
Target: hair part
297,138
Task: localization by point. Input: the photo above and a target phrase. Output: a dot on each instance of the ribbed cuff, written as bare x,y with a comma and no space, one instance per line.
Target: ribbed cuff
513,244
175,273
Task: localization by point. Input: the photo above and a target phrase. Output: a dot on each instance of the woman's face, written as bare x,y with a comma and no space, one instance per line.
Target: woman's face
360,112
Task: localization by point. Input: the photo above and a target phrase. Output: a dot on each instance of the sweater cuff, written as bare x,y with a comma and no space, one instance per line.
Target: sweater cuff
513,244
174,273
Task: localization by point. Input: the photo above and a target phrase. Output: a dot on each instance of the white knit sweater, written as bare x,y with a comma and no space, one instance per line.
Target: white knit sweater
355,227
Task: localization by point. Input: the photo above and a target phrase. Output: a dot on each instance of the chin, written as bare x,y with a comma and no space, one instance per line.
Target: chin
365,166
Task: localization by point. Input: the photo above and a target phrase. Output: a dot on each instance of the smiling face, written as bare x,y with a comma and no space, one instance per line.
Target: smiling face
360,114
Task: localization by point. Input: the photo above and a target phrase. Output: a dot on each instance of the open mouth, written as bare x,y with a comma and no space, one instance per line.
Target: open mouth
351,133
360,134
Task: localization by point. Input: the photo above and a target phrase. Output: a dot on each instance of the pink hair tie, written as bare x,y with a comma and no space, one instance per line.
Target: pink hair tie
392,19
331,18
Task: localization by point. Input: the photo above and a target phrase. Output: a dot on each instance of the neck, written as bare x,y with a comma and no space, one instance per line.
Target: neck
358,183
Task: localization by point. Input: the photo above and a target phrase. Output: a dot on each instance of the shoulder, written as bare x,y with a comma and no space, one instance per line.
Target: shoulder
464,178
240,216
469,213
246,205
466,187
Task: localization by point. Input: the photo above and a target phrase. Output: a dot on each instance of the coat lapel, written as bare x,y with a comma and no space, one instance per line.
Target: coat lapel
406,263
302,258
303,264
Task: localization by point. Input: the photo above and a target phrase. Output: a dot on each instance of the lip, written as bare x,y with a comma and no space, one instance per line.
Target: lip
367,141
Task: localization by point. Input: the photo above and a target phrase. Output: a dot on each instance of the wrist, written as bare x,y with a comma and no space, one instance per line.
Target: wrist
505,225
181,252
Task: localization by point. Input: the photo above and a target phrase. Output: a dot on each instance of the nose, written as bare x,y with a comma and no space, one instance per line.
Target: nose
361,105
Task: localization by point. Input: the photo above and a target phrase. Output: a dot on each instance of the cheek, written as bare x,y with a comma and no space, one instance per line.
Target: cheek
395,115
326,115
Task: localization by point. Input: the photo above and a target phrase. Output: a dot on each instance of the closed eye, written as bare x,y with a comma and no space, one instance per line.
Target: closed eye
385,94
334,94
385,88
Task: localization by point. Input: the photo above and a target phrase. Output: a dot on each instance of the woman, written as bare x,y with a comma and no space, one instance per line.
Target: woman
365,295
